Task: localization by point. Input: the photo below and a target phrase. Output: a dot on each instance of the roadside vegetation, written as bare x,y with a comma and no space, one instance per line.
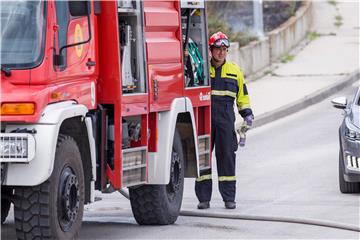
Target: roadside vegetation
338,18
215,24
277,12
287,58
235,18
332,2
313,35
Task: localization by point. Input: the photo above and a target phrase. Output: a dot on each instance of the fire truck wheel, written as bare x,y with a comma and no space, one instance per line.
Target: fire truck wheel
53,209
160,204
5,202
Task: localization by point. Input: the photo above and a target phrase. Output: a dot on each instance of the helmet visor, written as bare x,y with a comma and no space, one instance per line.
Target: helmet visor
222,42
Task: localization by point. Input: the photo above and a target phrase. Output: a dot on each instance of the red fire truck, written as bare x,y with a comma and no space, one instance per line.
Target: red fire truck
100,95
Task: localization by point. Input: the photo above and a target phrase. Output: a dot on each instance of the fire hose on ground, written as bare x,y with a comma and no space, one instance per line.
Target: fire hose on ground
306,221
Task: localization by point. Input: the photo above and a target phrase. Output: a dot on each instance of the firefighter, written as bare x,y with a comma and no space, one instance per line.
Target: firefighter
227,86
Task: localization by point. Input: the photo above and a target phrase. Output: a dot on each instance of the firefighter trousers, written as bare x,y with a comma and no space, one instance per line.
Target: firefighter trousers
223,137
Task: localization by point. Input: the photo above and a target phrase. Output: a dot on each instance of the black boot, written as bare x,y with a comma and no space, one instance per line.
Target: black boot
203,205
230,205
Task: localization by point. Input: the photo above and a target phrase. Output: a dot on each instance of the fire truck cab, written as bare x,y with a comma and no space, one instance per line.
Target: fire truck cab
100,95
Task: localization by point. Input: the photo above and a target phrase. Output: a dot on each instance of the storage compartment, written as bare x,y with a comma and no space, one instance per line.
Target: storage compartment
132,47
132,132
194,31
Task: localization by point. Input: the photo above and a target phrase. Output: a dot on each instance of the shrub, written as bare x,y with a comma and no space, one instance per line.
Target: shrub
215,24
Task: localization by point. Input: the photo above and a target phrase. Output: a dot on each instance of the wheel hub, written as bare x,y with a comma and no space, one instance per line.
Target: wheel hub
174,184
69,199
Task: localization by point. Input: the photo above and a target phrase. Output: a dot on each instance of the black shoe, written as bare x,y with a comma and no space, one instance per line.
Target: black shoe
203,205
230,205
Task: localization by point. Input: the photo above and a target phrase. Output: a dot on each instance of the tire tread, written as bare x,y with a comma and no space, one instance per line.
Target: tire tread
32,206
30,218
150,204
146,203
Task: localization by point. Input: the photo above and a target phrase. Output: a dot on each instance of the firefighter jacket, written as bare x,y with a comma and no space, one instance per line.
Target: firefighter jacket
227,84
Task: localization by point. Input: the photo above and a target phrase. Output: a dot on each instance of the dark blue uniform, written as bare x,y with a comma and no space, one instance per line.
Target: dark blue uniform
227,86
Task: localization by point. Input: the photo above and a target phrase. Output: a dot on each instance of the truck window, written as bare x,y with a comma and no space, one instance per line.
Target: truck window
132,46
62,18
23,28
194,34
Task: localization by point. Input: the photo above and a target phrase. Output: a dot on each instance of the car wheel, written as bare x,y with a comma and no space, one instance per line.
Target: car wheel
346,187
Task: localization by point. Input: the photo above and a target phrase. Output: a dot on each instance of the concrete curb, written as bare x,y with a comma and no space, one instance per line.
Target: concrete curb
306,101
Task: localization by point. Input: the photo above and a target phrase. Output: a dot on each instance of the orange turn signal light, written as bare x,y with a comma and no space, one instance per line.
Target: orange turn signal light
17,108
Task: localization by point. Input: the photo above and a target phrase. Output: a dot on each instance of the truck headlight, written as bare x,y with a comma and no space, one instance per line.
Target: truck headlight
16,147
13,147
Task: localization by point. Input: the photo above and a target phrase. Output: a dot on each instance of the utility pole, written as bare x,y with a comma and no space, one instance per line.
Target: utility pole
258,18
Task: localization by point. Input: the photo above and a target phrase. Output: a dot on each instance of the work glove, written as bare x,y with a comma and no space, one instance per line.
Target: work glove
246,125
249,120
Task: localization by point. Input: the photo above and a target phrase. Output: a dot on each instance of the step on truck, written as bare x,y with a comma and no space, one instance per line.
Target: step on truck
100,96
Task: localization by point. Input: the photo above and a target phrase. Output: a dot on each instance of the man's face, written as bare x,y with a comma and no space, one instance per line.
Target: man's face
219,54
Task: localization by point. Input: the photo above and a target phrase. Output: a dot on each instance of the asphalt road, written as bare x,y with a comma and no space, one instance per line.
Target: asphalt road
289,168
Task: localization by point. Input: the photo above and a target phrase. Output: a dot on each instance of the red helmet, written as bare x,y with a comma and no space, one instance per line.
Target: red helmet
219,39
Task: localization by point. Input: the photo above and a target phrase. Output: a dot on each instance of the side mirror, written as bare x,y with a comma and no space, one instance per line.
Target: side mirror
339,102
79,8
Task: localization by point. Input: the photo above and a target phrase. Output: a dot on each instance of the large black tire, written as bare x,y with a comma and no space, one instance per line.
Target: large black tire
160,204
53,209
346,187
6,193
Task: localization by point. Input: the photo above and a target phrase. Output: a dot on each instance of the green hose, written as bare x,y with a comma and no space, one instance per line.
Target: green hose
197,62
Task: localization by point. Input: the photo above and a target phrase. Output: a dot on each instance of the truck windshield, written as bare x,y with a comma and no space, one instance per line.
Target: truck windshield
22,33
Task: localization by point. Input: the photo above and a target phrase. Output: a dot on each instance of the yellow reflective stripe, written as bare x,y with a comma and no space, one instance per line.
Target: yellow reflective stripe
243,106
203,178
223,93
227,178
212,72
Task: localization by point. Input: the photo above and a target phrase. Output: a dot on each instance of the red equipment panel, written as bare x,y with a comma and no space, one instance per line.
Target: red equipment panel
164,53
